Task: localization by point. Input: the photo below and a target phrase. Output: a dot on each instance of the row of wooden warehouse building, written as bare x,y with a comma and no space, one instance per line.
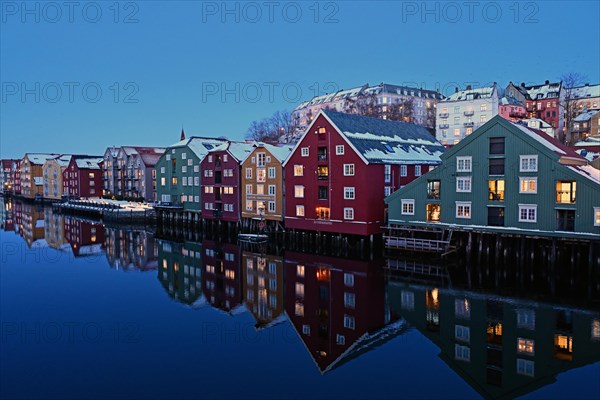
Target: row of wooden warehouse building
348,174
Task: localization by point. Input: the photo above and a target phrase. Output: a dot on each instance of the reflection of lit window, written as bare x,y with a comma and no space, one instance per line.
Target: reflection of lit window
300,290
462,308
348,280
595,329
432,298
300,270
526,346
340,339
563,347
525,367
299,309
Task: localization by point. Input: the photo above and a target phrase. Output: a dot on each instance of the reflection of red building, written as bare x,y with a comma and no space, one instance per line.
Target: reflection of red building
8,216
337,306
85,237
221,275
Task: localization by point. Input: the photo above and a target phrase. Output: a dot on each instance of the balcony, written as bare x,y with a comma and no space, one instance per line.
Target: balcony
444,126
469,113
469,123
444,115
218,214
516,114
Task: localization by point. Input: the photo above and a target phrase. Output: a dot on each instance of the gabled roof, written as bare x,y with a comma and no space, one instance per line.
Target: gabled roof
486,92
281,152
39,158
540,122
88,162
585,92
540,92
239,150
200,145
383,141
549,142
510,101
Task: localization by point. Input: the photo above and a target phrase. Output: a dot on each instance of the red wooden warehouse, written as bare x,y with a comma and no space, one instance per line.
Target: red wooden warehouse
83,177
343,167
221,181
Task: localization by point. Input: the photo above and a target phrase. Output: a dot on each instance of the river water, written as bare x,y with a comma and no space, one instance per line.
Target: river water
94,311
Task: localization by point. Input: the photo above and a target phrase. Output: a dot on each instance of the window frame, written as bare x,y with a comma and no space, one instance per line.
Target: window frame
407,202
464,159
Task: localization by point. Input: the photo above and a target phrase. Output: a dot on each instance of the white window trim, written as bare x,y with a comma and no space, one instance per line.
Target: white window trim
296,187
403,170
528,206
407,202
303,150
349,189
528,178
348,165
339,147
464,179
528,156
351,210
299,207
464,158
463,204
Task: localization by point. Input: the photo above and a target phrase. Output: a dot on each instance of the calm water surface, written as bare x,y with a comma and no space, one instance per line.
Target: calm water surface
89,311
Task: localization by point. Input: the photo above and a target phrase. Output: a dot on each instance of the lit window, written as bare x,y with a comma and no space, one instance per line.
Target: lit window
528,185
300,270
528,163
463,209
595,330
300,211
298,170
596,216
527,213
526,346
483,107
408,207
299,290
299,192
566,191
299,309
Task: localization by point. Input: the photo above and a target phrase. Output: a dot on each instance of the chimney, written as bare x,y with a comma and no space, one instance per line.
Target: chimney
522,84
547,82
469,87
182,134
587,84
456,89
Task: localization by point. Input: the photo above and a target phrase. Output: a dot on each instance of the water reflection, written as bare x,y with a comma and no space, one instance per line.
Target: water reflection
504,331
502,347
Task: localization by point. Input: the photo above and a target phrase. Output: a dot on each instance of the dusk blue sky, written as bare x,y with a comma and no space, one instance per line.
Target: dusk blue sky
177,50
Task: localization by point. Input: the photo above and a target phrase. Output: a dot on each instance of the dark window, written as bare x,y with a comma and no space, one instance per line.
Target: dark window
433,189
497,145
494,376
323,193
496,216
322,153
565,220
494,357
496,166
218,177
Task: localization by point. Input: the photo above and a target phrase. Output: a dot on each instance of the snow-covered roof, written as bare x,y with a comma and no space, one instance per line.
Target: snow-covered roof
586,116
586,91
486,92
589,155
536,123
281,152
91,162
376,90
590,141
387,142
510,101
39,158
200,145
63,161
548,142
239,150
588,172
545,91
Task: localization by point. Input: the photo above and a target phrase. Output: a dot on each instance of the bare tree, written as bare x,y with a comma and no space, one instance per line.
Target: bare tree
271,129
569,104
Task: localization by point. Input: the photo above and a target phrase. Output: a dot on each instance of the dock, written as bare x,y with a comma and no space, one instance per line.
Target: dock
109,210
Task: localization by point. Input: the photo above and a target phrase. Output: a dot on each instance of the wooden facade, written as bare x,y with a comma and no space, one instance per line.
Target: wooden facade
262,183
506,178
342,168
83,177
32,174
52,171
